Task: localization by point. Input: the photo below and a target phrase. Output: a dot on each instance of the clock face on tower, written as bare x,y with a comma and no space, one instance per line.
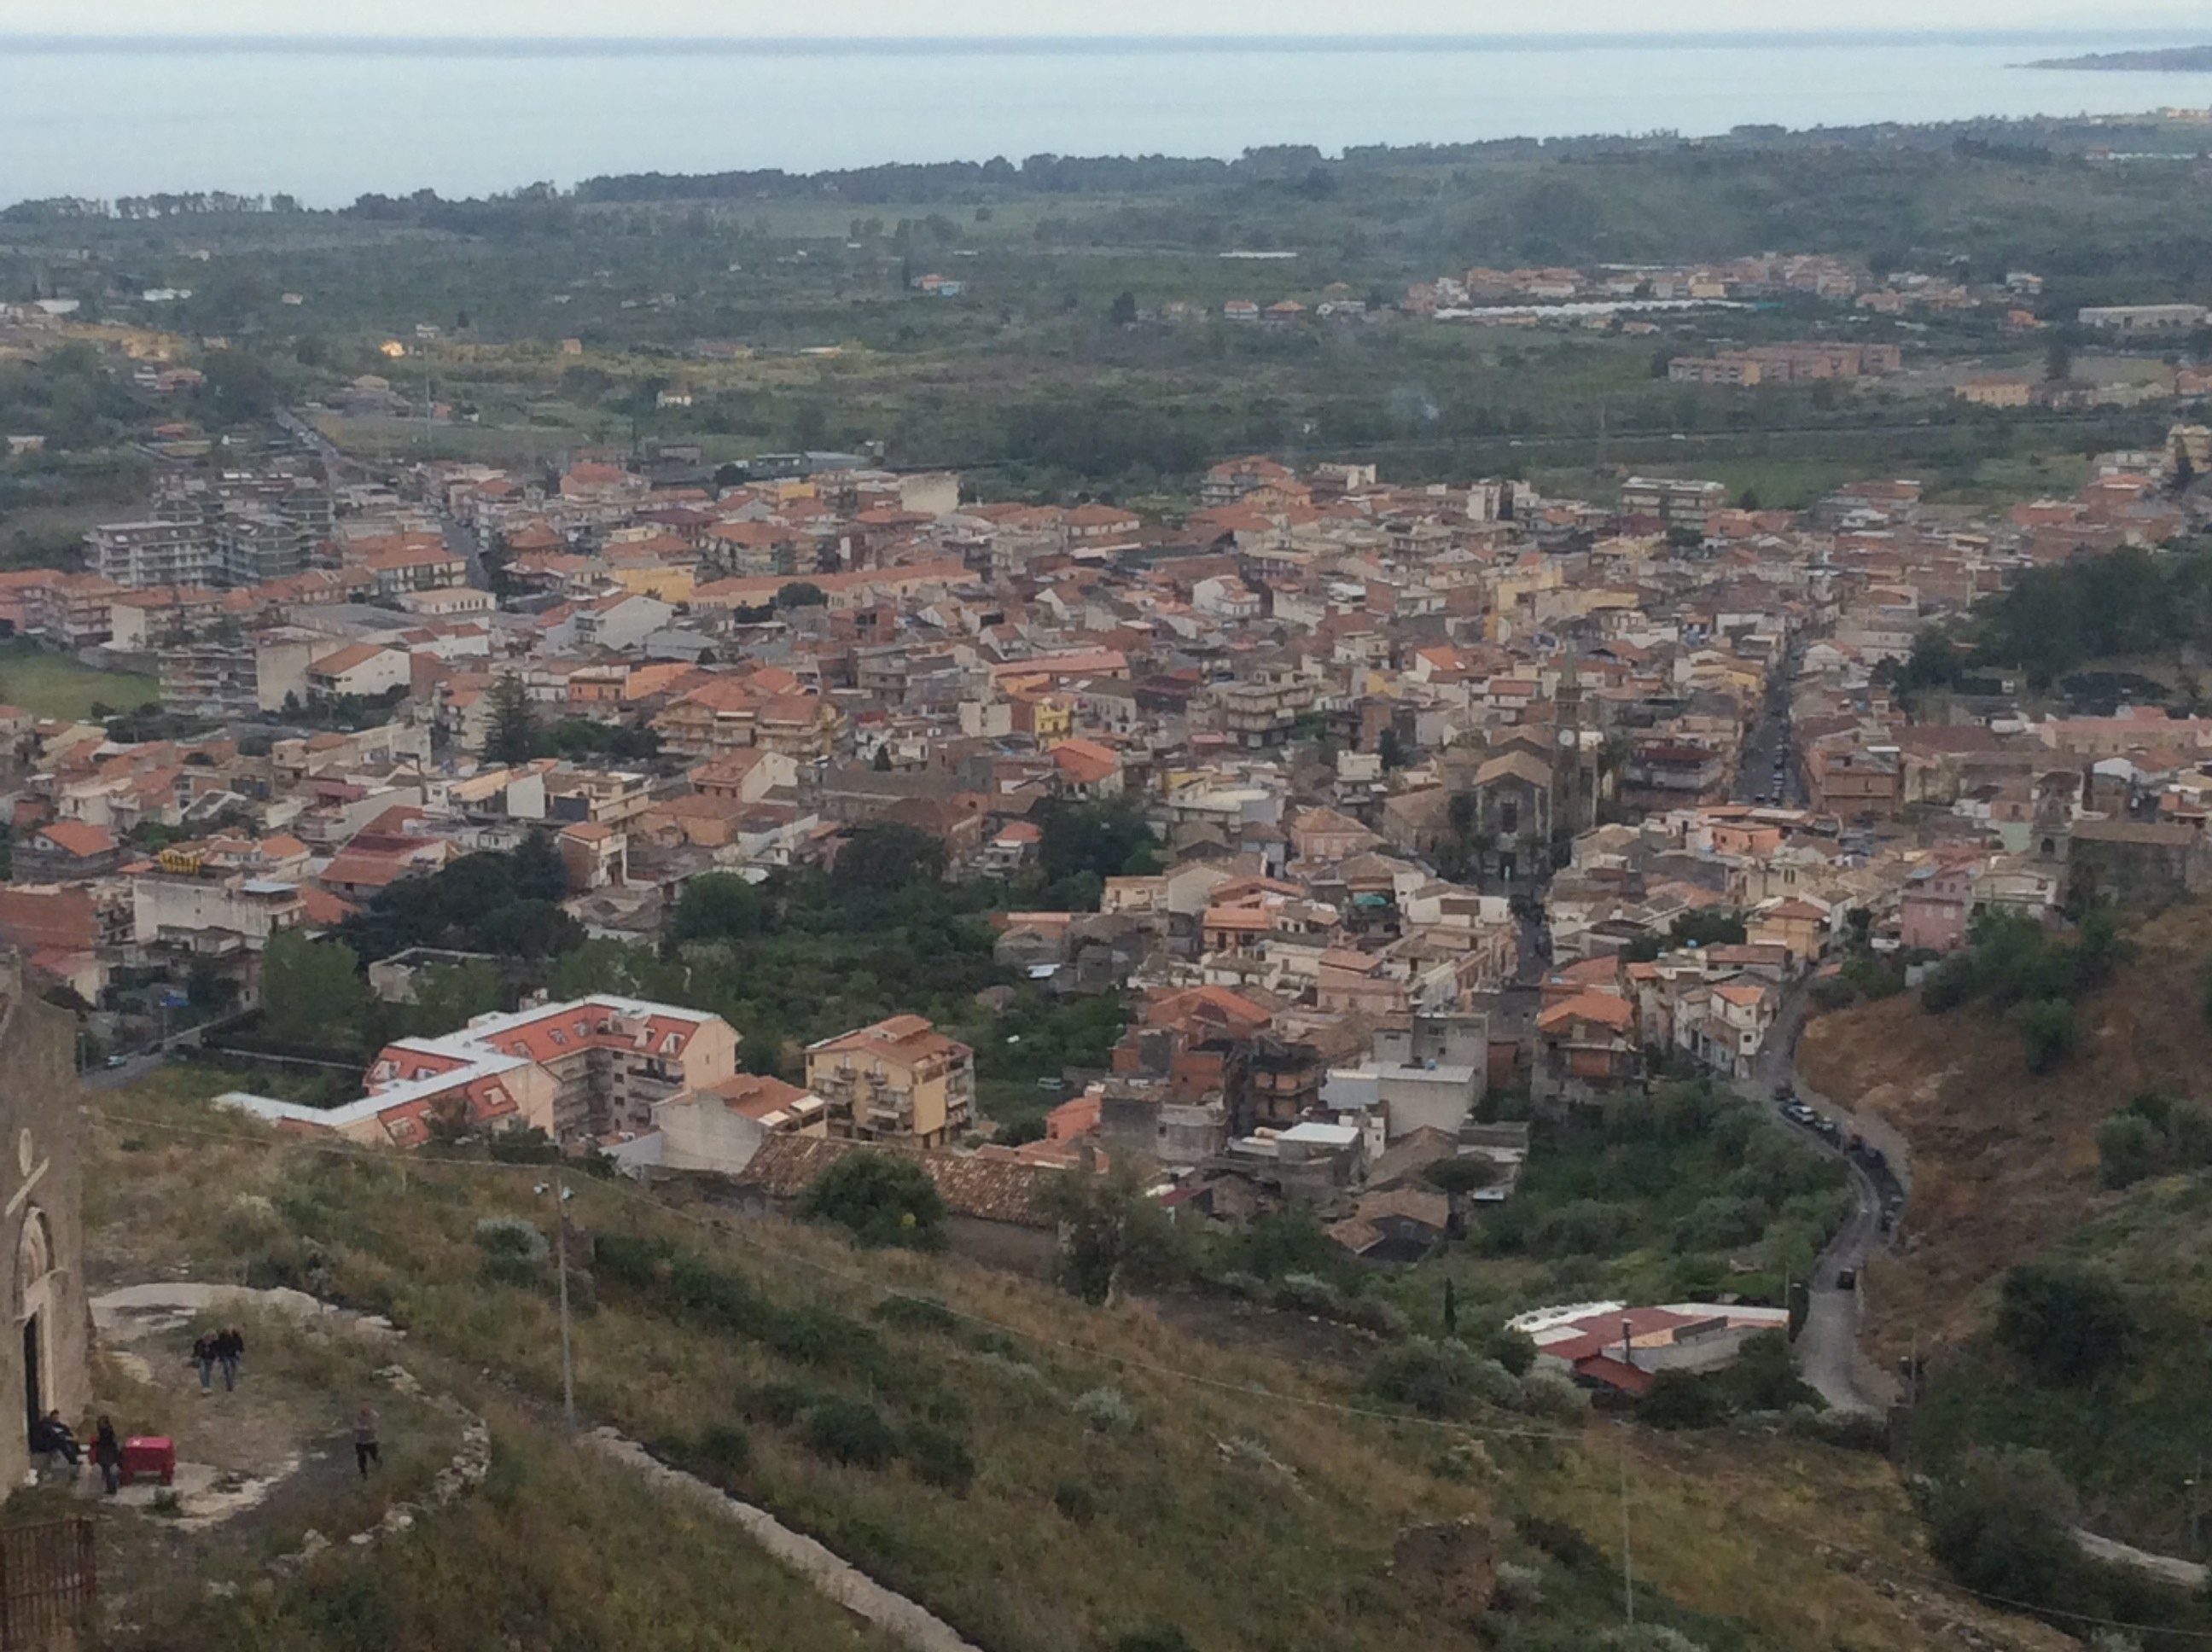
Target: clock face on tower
1567,737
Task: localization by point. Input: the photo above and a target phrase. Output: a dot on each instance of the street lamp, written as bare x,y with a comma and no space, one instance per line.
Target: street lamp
563,1193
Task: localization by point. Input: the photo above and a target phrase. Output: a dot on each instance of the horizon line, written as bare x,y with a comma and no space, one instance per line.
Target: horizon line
304,42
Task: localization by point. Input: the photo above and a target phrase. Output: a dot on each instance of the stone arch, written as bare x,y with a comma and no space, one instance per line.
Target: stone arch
35,1254
34,1272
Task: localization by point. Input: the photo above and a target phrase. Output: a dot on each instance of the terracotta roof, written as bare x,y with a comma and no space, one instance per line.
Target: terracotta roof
78,838
1601,1007
36,918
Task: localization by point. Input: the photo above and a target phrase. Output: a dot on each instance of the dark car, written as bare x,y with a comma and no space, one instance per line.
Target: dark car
1847,1279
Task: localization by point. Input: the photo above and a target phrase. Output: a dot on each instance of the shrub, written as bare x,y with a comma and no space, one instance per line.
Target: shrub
2002,1520
2048,1030
849,1431
940,1458
1075,1500
1441,1379
1105,1409
1586,1227
1720,1223
1373,1313
916,1314
1850,1431
1834,993
1560,1540
629,1260
2071,1324
722,1452
781,1403
1681,1399
816,1335
1165,1639
1518,1588
1550,1395
510,1236
1515,1349
2128,1148
505,1268
1301,1293
883,1199
1948,985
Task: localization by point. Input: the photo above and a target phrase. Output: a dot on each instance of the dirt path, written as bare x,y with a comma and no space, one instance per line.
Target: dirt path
852,1588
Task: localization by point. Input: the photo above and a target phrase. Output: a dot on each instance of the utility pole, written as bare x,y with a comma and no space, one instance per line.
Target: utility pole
560,1190
2196,1507
1627,1562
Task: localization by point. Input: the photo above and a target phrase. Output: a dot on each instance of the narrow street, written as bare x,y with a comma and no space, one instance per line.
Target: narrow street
1827,1347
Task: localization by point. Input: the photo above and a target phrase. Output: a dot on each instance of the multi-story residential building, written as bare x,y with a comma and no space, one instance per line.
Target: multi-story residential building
1263,707
899,1080
1676,502
157,551
211,917
252,547
582,1071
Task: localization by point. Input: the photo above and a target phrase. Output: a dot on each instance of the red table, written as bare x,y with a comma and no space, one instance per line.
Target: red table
150,1454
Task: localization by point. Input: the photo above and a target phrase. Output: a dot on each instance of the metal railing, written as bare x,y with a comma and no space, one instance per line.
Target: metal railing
49,1582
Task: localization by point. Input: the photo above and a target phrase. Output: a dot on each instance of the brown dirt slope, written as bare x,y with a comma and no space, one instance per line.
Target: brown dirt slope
2003,1161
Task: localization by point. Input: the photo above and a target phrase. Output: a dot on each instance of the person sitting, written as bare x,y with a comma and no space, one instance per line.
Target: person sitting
51,1437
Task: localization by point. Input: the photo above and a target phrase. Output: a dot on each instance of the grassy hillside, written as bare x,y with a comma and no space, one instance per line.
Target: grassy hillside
2130,1439
1043,1475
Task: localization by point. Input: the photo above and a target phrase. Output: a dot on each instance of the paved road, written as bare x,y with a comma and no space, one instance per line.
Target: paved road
1828,1356
1827,1349
1768,743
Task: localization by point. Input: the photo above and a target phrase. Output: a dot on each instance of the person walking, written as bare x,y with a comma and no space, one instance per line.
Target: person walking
364,1439
107,1452
203,1357
229,1344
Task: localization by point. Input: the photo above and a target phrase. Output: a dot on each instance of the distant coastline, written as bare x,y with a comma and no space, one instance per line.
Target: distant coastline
2163,60
648,46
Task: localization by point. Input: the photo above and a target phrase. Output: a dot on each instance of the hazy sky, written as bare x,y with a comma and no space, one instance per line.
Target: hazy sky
756,18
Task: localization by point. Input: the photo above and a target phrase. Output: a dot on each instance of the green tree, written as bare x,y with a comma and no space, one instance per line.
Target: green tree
1708,926
449,997
2128,1148
240,387
716,906
1111,1231
884,856
2069,1323
513,736
312,991
1124,311
801,593
536,868
883,1200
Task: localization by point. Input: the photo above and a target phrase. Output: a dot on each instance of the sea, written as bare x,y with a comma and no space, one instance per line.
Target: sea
327,121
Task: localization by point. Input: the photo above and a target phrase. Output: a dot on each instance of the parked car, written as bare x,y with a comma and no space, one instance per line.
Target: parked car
1847,1279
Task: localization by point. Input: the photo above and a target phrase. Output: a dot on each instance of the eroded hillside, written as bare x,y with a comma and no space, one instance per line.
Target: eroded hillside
2004,1161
